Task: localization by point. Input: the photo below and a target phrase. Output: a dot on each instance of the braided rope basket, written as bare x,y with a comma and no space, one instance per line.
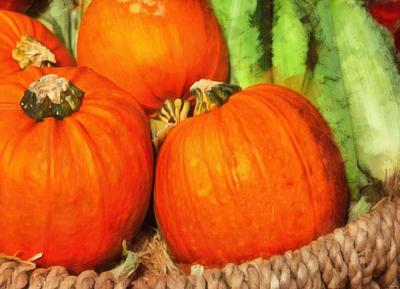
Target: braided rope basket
363,254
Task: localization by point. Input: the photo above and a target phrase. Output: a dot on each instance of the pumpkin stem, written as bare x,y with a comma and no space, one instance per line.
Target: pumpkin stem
129,264
53,96
172,112
30,52
210,94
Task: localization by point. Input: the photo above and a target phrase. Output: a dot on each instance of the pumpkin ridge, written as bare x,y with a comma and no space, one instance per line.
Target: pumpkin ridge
186,184
292,137
216,48
14,25
239,112
20,85
31,24
224,138
11,101
66,138
11,152
17,138
184,82
150,87
108,108
244,131
8,37
48,143
185,199
221,130
114,109
329,146
260,164
236,118
166,160
203,150
96,158
77,76
190,200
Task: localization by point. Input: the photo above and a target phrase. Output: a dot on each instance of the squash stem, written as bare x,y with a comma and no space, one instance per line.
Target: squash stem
30,52
172,112
51,96
210,94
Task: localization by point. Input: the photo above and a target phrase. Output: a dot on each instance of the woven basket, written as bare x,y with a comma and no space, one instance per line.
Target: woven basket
363,254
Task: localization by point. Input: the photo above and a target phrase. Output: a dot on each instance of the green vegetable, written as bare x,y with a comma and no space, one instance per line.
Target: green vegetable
327,91
247,29
372,86
290,44
63,18
336,55
305,58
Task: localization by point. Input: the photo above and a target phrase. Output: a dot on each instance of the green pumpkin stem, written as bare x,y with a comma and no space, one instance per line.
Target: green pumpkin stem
172,112
30,52
51,96
211,94
128,265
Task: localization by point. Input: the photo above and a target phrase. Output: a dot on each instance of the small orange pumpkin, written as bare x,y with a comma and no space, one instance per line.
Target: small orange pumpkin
25,42
153,49
254,177
75,169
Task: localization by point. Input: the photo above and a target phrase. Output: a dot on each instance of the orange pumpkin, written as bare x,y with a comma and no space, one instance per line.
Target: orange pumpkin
75,169
154,49
25,42
254,177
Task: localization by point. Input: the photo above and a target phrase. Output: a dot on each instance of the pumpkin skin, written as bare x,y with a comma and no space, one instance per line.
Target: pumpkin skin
256,177
13,27
155,52
73,189
16,5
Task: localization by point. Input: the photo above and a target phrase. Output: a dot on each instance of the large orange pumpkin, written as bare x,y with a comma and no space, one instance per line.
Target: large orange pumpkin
155,49
26,42
255,177
74,182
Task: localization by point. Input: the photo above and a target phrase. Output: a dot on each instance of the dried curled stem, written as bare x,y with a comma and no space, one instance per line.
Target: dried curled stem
30,52
172,112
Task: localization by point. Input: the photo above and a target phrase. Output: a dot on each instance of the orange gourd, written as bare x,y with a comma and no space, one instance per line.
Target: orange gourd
254,177
25,42
154,49
75,169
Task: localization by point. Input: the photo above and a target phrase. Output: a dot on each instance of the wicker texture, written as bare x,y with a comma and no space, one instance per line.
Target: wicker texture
363,254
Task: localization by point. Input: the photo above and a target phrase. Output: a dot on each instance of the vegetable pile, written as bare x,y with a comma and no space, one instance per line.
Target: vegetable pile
265,117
